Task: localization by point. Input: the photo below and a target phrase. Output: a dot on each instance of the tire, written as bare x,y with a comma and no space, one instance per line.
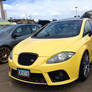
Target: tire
4,53
84,67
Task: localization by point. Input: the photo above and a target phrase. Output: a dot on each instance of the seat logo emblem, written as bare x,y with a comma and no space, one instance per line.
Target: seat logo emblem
31,60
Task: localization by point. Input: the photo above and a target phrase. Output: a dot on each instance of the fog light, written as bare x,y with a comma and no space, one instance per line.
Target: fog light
57,76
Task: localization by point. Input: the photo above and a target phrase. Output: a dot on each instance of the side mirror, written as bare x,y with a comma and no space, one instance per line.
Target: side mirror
90,33
16,35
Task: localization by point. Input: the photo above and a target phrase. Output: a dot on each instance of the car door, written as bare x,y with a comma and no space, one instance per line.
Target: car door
86,37
21,33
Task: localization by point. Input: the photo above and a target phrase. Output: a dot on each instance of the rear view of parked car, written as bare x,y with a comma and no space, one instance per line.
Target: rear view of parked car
13,34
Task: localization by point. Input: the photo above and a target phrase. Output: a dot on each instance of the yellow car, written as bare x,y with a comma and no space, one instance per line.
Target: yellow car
57,54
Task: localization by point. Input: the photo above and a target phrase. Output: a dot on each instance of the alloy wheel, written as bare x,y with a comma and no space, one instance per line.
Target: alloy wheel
4,53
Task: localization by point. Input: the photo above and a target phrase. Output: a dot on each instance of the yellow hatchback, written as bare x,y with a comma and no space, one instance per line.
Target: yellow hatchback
57,54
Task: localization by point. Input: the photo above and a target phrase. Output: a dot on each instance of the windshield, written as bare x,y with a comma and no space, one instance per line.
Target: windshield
5,30
62,29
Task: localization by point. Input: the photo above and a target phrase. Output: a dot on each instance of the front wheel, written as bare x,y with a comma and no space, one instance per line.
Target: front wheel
84,67
4,53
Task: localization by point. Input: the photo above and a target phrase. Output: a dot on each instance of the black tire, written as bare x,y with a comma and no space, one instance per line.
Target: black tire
4,53
84,67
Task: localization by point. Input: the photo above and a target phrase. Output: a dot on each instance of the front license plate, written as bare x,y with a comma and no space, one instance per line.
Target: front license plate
23,73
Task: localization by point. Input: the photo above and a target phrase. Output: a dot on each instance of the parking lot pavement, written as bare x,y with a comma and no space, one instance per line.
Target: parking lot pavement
9,85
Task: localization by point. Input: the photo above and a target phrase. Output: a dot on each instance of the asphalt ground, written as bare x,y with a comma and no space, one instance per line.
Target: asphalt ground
9,85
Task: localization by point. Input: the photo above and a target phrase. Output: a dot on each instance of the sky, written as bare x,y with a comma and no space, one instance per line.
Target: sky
46,9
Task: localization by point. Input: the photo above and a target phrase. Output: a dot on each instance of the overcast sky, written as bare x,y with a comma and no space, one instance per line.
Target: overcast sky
46,9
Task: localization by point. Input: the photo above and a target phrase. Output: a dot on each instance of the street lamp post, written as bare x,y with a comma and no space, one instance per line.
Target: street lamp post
2,10
76,8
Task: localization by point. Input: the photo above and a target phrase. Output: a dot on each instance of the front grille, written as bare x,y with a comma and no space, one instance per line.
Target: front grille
58,76
27,58
34,77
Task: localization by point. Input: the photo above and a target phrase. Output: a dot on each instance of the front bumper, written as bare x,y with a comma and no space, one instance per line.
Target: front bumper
69,69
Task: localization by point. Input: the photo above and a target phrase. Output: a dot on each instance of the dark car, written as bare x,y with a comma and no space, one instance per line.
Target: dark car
43,22
87,14
13,34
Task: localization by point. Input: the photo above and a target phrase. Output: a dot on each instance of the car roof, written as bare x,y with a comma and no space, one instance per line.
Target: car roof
24,24
17,25
72,19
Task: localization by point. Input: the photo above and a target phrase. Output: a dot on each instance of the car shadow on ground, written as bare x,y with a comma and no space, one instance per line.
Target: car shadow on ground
45,88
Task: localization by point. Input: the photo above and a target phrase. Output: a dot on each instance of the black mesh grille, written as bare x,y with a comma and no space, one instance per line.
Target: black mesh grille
27,58
38,78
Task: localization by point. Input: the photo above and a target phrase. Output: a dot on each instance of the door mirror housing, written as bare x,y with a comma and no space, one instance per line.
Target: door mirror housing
16,35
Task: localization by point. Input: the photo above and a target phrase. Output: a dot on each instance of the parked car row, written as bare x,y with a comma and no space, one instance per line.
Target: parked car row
57,54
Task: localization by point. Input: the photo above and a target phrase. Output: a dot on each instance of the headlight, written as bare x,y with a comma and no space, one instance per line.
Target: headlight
11,55
61,57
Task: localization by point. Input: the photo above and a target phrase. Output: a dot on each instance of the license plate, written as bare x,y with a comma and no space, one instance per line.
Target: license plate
23,73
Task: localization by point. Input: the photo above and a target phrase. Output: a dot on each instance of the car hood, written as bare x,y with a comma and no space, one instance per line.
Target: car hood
45,47
3,41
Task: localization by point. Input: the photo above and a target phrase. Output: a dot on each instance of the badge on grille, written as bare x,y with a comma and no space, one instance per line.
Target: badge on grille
31,60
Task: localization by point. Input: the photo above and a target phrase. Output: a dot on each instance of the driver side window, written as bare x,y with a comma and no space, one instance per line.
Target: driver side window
23,30
19,31
87,28
34,28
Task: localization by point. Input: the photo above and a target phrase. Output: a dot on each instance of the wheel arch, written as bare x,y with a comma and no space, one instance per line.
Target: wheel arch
81,78
84,50
6,46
